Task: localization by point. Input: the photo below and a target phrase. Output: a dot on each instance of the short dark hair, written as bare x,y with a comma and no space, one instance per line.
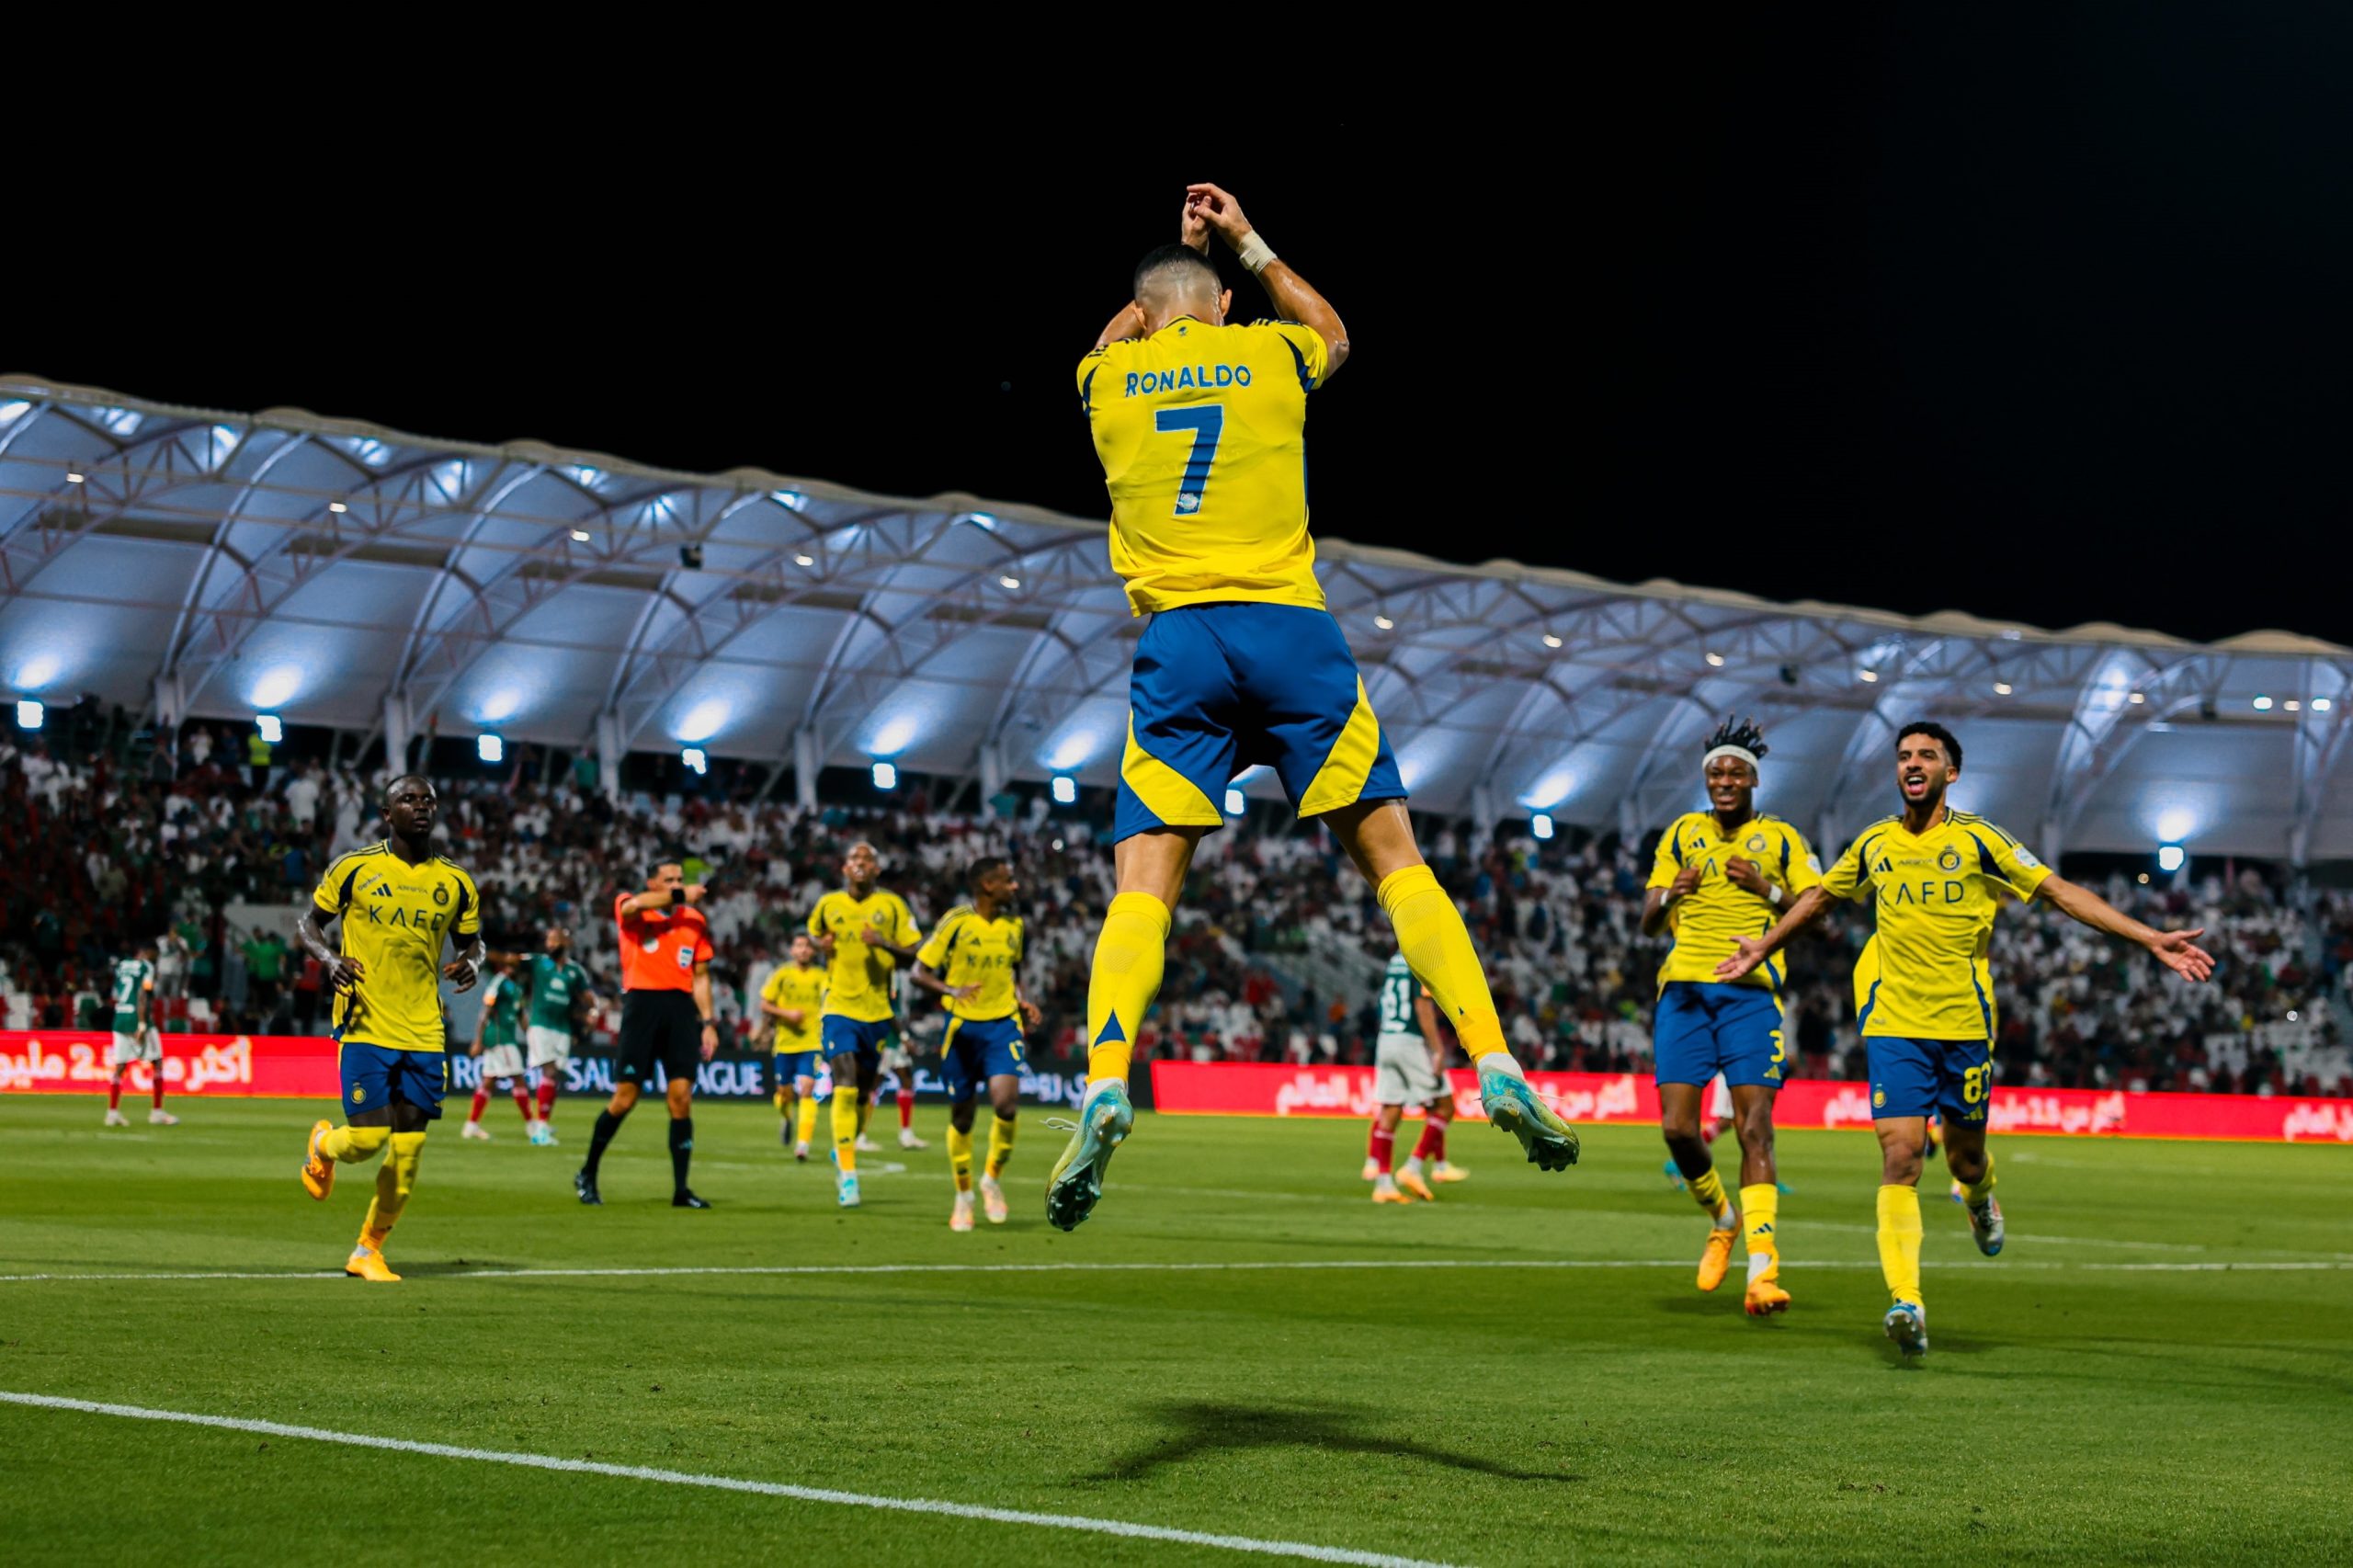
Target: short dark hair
982,867
392,784
654,867
1935,731
1168,258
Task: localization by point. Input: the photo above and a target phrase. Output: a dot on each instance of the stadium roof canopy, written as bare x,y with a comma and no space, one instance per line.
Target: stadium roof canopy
339,573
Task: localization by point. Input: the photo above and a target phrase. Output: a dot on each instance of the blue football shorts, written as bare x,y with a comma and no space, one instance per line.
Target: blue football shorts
1702,1028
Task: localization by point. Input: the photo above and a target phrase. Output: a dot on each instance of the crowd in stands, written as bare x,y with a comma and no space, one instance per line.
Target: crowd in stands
207,845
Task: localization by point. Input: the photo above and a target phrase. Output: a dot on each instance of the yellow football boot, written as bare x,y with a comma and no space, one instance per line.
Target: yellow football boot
318,1171
1444,1172
1717,1259
1412,1182
367,1262
1766,1296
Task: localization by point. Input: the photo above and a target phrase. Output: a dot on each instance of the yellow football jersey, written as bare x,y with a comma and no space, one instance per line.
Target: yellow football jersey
1935,896
395,917
1202,434
965,949
858,977
792,986
1706,920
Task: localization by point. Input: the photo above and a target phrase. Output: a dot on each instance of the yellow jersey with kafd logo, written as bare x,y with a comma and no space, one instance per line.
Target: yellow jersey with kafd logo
1706,920
802,990
1935,896
1202,433
858,974
395,918
966,949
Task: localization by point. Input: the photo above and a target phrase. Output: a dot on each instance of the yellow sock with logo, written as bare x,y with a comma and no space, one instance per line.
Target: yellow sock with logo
1760,1208
1899,1242
846,1120
1709,1188
1129,956
350,1145
1974,1193
804,1120
395,1180
1431,935
959,1157
1000,1145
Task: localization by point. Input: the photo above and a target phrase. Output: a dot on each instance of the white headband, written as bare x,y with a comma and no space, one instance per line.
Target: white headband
1740,751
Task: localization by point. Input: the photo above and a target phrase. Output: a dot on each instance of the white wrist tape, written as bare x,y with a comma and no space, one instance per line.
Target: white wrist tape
1773,894
1255,253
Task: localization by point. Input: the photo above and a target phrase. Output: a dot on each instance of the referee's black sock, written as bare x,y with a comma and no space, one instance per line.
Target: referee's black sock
682,1150
607,1125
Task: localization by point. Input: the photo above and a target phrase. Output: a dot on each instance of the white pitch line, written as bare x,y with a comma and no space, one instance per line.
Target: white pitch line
734,1484
1234,1267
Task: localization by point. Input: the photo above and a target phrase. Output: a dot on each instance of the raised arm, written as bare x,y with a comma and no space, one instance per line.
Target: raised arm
660,898
1128,323
2177,951
1750,951
1295,299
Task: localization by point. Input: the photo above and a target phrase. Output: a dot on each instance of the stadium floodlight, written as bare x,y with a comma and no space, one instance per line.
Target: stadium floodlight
804,559
337,508
1541,825
580,536
271,730
2320,704
1552,640
490,748
1383,623
694,758
1867,676
2003,688
2137,698
886,776
1715,661
1010,580
29,713
2292,705
1233,801
2170,856
73,478
2263,705
1065,789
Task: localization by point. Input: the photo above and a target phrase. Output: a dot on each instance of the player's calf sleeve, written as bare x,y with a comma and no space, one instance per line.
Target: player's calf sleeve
847,1104
804,1119
959,1157
779,1098
350,1145
1431,935
1976,1192
607,1125
547,1097
1899,1241
906,1108
682,1150
1000,1143
114,1094
523,1099
482,1101
1131,954
1759,1209
1432,1145
1381,1146
158,1093
1709,1188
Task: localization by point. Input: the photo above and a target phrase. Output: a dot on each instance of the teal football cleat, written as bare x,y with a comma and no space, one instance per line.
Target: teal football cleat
846,1189
1985,1226
1512,1105
1104,1119
1907,1325
1674,1175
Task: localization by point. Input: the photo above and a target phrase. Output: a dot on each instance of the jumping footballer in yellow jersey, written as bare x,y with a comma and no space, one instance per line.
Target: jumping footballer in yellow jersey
1935,878
1201,430
864,931
1720,875
793,996
974,962
398,902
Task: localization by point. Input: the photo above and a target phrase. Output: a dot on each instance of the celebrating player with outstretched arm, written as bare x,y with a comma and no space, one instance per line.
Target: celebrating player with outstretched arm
1720,874
1935,877
1201,430
398,902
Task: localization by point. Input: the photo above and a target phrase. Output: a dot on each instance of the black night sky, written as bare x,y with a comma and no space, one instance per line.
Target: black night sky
2041,318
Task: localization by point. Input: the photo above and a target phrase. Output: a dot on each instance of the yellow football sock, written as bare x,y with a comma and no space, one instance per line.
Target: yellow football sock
846,1120
804,1120
959,1157
1709,1188
350,1145
395,1180
779,1098
1976,1192
1129,956
1759,1207
1899,1242
1000,1145
1431,935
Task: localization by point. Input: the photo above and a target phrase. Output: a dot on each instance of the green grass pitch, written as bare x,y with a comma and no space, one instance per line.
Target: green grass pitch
2159,1369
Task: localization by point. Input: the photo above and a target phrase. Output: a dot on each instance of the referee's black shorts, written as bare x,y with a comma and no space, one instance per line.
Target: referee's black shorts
659,1025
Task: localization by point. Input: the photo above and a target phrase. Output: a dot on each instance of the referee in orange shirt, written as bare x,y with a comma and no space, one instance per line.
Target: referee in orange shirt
665,1018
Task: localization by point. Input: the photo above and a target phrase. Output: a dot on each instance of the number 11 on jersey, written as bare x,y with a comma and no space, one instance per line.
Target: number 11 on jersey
1207,422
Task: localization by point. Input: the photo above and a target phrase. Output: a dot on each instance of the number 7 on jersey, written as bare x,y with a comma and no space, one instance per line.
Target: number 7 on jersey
1207,422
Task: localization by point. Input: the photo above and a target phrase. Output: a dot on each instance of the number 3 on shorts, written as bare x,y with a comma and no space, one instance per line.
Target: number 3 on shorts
1207,422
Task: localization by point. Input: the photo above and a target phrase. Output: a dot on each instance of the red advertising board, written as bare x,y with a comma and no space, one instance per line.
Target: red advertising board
1238,1088
69,1062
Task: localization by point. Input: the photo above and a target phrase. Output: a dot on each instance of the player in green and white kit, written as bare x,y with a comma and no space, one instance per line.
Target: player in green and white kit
498,1044
135,1039
1409,1062
559,998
